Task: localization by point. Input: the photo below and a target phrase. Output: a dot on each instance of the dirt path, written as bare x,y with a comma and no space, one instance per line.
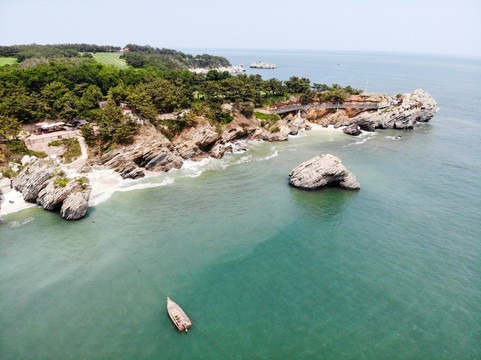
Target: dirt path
77,164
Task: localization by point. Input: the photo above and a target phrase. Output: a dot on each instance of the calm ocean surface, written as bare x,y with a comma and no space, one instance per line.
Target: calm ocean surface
264,270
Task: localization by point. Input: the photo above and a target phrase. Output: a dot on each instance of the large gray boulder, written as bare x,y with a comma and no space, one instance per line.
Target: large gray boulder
159,159
53,196
353,130
31,180
49,187
206,139
75,206
321,171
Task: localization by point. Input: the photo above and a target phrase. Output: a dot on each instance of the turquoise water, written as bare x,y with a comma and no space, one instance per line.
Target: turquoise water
264,270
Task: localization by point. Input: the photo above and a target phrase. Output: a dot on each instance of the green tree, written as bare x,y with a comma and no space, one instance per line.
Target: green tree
297,85
9,128
90,98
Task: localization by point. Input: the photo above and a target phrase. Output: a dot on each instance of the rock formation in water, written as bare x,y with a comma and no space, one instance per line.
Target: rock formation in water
321,171
48,186
352,129
263,65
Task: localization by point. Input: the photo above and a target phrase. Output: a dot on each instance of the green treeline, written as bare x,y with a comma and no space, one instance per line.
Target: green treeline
147,56
69,88
23,52
137,56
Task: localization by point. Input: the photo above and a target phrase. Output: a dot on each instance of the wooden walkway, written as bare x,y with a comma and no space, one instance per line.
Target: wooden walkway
373,106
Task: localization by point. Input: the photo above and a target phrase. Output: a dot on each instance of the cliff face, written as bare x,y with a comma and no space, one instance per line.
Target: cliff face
154,152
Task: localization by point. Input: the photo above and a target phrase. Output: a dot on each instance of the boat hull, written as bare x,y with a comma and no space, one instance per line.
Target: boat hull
178,316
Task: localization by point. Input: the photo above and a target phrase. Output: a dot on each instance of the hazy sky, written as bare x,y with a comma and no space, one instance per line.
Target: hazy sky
421,26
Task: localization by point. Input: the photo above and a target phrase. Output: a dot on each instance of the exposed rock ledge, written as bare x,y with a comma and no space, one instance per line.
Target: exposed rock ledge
403,113
47,185
321,171
152,151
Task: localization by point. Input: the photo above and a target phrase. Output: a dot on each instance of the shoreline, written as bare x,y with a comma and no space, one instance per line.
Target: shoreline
105,182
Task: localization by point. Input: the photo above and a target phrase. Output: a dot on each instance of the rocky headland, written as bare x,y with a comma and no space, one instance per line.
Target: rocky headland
403,112
55,186
323,171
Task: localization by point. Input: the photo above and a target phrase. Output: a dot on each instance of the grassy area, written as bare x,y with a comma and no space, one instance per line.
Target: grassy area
110,59
268,117
72,149
7,61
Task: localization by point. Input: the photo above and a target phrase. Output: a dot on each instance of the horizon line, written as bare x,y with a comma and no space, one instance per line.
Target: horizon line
457,55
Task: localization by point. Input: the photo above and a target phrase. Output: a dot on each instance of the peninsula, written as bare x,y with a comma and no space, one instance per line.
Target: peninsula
130,123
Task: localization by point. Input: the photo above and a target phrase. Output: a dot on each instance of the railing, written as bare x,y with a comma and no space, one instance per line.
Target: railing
51,138
296,107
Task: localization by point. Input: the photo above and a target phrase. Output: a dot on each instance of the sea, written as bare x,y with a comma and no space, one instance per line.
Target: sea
264,270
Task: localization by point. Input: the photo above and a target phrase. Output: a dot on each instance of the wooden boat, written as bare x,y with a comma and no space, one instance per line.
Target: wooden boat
178,316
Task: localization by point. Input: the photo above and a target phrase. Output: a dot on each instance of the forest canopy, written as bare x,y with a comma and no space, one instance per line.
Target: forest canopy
62,83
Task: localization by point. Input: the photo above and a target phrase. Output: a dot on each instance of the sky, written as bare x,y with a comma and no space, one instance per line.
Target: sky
408,26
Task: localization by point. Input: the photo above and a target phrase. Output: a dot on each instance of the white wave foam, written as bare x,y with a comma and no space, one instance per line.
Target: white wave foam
15,224
367,136
268,157
397,137
125,186
329,128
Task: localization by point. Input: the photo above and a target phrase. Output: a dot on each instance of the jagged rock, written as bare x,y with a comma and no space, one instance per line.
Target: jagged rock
31,180
40,184
190,151
206,139
53,195
366,126
236,133
217,151
280,135
320,171
161,159
353,130
28,159
294,130
75,205
131,171
263,65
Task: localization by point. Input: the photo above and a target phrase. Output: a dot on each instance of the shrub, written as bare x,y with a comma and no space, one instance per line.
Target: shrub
60,182
18,147
81,182
72,147
247,111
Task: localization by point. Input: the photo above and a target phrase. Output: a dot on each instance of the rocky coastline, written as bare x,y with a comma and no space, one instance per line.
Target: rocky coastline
54,186
262,65
233,70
